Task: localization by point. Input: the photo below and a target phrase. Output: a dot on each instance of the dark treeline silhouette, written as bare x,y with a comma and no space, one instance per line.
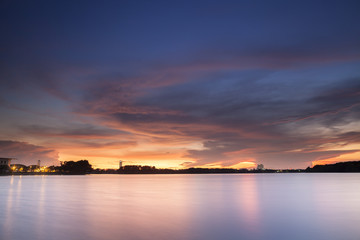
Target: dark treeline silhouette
337,167
138,169
83,167
79,167
223,170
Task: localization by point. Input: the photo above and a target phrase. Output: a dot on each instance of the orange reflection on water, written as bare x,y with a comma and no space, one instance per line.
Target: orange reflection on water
248,200
126,206
40,211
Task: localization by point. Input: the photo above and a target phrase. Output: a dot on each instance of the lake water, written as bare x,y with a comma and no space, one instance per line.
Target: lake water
195,207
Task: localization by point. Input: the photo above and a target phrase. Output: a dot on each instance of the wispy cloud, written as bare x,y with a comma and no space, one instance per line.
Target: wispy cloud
29,154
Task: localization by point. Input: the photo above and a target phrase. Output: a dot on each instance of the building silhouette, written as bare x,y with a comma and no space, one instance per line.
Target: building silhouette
120,164
260,167
5,161
5,165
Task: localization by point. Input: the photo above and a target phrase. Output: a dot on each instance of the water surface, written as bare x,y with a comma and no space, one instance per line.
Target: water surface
196,207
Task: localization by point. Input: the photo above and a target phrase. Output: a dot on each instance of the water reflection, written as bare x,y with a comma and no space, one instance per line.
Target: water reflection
249,204
8,209
260,206
40,210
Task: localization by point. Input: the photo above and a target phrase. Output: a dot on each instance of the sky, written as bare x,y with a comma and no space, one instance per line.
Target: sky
179,84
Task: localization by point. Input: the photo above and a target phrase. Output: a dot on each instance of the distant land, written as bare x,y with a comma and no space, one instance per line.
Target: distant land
337,167
83,167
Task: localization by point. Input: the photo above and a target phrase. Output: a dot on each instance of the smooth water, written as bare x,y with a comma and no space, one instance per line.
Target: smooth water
197,207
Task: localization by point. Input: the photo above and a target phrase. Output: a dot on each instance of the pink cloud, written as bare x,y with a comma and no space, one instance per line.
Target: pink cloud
28,154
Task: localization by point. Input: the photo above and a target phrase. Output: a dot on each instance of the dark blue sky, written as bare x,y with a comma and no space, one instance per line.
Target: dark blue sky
176,84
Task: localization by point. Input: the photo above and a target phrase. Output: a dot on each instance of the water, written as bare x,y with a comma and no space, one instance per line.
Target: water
195,207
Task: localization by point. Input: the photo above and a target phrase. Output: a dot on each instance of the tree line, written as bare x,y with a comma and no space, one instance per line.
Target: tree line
84,167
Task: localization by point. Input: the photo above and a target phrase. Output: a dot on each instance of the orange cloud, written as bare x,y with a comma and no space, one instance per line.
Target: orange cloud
248,164
354,156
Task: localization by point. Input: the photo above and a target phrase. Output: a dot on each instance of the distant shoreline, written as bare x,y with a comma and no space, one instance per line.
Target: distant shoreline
61,174
342,167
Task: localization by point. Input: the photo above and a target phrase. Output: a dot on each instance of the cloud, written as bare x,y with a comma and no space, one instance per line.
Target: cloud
28,154
245,81
265,116
73,131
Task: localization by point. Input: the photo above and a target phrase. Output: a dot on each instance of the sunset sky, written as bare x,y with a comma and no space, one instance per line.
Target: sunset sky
180,84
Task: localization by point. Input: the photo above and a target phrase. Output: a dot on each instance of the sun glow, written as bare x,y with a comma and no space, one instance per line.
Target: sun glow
355,156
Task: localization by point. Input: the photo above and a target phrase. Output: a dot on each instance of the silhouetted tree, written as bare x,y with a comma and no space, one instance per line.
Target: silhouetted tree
79,167
134,169
353,166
